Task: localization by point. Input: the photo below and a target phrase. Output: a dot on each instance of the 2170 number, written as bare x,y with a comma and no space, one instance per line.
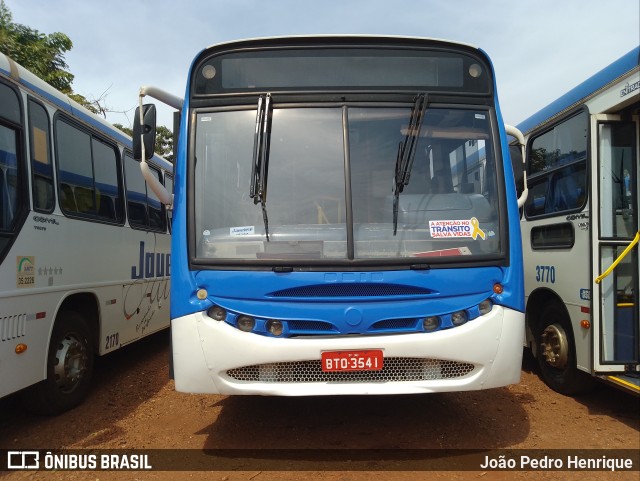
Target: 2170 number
112,341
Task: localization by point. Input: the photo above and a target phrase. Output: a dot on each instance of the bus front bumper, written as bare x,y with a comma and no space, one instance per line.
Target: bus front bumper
212,357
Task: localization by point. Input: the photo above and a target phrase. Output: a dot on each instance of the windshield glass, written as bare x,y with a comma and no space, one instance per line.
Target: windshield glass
330,182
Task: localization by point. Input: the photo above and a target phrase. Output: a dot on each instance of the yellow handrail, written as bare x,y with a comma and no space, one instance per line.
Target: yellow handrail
620,257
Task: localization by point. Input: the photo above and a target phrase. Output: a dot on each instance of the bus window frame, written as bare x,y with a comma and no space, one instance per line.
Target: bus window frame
23,205
93,134
37,102
547,176
161,173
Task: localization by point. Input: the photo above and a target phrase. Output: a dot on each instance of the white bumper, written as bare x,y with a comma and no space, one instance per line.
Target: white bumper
204,351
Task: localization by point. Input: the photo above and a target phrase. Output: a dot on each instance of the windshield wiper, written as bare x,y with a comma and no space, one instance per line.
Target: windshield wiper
260,165
406,153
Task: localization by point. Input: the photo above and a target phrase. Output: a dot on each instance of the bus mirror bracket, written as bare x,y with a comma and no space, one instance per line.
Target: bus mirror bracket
144,137
515,133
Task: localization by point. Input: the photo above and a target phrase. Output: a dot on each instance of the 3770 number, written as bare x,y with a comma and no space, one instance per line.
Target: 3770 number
546,274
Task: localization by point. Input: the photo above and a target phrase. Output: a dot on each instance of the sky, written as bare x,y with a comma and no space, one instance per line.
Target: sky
539,48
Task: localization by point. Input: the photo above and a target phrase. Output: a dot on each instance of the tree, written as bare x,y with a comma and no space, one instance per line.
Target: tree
164,140
41,54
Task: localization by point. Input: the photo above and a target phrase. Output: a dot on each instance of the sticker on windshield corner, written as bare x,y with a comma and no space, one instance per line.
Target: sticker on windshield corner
240,231
440,229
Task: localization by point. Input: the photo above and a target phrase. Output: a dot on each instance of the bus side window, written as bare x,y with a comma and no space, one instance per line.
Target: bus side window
88,177
8,177
144,208
9,161
41,167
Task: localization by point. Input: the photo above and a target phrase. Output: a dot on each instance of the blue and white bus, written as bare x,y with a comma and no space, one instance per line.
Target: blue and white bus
345,220
580,232
84,245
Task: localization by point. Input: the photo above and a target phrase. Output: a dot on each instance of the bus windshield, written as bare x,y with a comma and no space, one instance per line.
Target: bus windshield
330,175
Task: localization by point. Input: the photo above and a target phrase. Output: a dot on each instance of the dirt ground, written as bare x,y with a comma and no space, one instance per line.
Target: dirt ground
133,405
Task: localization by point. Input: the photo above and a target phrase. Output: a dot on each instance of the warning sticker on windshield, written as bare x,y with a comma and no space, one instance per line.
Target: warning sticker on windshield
440,229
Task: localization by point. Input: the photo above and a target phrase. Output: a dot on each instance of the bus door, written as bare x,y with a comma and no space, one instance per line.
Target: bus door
615,234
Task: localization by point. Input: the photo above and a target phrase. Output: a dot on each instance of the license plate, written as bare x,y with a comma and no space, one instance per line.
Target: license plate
338,361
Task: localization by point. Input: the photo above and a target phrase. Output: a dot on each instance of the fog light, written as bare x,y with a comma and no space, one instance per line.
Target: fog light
217,313
275,327
485,307
202,294
459,318
246,323
431,323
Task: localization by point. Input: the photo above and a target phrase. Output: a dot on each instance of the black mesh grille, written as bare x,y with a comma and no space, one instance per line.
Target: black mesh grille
395,324
351,290
316,326
396,369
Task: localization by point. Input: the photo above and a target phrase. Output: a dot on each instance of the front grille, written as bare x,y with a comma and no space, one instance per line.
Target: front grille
313,326
396,369
395,324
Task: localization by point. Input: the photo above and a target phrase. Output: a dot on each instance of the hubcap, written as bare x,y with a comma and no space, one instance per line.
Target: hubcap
555,347
71,363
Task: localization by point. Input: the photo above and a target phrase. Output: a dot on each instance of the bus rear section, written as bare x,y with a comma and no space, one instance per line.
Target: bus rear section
345,221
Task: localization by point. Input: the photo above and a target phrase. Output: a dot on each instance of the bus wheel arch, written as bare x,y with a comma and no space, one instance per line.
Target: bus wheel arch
70,359
554,345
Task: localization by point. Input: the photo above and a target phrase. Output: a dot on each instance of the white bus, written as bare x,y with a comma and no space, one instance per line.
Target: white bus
84,246
580,232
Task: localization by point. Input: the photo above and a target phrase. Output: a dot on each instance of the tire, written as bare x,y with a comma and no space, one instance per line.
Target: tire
556,353
70,364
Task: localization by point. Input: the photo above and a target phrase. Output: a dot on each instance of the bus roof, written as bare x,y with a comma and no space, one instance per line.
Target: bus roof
319,37
586,89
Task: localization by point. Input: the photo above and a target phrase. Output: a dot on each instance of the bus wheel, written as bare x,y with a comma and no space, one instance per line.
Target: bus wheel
69,367
557,353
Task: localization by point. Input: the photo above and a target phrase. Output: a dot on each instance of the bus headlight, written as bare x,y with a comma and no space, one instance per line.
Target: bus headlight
275,327
217,313
431,323
246,323
485,307
459,318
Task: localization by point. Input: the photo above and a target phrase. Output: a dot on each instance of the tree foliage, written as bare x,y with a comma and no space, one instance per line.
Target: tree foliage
40,53
164,140
43,55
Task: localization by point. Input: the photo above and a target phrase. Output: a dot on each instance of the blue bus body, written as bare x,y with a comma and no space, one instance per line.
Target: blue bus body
303,291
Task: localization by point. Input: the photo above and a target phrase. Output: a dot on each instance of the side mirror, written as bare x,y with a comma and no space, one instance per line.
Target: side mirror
519,171
144,132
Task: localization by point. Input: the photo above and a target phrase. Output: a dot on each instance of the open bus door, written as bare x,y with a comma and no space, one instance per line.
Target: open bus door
615,235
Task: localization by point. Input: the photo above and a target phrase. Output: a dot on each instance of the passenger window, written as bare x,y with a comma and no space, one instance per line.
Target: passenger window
11,168
41,166
145,209
8,178
557,167
87,175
